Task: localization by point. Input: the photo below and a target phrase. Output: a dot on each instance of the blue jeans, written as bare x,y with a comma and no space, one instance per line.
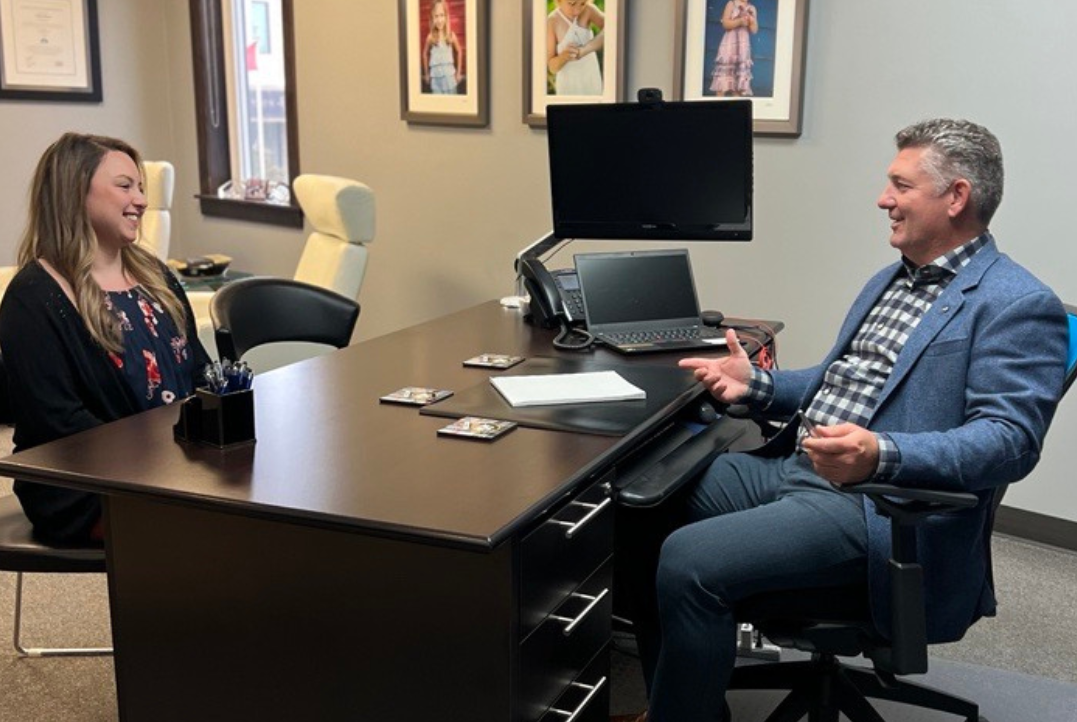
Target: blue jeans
754,525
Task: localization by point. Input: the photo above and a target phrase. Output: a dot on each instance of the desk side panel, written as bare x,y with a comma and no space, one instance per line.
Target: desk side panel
222,617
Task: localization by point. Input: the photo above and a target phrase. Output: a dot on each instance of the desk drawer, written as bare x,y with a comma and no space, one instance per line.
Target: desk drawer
563,551
587,699
561,648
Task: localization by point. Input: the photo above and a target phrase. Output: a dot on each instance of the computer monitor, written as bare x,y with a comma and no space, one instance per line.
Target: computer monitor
652,170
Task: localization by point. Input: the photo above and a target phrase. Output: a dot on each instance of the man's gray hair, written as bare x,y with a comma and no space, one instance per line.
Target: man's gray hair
960,149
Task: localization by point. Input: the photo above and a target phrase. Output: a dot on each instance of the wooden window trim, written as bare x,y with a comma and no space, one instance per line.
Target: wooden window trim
211,119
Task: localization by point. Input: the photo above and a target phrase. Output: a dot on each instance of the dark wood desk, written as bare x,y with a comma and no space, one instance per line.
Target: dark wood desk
351,564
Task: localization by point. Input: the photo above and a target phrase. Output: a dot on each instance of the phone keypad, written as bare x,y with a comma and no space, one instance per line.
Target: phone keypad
573,303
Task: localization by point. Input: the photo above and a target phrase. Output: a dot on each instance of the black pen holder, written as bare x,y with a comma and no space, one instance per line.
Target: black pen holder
218,419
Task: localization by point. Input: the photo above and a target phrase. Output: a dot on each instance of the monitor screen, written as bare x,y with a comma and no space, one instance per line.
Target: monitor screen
675,171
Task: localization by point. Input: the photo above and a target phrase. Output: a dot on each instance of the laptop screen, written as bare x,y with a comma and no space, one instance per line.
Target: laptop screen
637,287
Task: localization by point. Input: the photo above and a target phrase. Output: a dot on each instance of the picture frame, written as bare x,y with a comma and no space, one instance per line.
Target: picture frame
775,77
442,92
50,51
541,84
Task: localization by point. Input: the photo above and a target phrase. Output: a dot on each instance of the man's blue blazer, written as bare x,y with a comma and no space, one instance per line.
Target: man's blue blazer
968,405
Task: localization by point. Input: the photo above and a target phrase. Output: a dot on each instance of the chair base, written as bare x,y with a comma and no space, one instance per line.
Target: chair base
32,652
823,688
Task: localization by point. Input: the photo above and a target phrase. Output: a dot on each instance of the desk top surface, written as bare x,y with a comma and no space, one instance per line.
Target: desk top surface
329,453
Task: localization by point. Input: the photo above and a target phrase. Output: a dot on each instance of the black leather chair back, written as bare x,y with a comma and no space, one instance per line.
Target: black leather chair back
254,311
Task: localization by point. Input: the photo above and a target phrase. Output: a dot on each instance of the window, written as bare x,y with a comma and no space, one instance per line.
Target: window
244,71
259,19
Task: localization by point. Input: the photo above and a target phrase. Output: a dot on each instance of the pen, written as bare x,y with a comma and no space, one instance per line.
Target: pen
808,424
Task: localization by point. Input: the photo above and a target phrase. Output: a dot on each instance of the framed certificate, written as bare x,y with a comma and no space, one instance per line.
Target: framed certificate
49,50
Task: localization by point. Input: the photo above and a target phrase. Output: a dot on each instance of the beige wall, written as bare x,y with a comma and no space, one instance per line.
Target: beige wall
454,205
134,48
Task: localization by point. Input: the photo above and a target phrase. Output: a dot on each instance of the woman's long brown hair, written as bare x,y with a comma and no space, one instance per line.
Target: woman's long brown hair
59,231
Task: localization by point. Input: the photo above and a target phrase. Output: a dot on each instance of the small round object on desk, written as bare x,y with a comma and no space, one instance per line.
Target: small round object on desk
712,318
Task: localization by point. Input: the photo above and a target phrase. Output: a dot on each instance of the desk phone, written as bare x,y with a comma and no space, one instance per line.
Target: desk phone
554,295
568,283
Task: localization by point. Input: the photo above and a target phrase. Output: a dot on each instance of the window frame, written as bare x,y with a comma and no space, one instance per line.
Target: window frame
212,123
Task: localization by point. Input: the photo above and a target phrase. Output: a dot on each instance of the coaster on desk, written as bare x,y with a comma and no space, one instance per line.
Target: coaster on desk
476,427
494,360
416,396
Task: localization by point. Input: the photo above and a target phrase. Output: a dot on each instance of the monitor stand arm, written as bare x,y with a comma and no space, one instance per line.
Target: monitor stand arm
547,244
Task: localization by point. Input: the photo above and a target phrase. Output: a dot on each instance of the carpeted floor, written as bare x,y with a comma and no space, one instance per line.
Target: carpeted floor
1003,695
1021,666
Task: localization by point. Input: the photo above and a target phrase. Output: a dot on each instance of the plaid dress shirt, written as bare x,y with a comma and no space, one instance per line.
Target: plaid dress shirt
853,382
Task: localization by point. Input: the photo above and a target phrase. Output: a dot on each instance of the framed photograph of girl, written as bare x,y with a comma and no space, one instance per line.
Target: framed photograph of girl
745,49
573,53
444,51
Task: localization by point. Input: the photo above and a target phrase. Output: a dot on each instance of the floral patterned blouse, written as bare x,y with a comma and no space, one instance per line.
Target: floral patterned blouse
156,361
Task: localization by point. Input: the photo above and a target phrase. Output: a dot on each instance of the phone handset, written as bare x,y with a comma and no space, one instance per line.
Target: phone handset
548,306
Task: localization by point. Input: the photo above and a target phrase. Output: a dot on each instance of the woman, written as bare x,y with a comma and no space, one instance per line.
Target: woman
93,327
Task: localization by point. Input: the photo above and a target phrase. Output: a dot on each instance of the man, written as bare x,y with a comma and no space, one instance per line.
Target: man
945,374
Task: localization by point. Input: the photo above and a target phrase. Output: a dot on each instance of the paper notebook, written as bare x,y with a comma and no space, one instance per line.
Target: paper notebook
552,389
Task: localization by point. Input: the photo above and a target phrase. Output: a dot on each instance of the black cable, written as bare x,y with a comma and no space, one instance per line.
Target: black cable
561,341
770,338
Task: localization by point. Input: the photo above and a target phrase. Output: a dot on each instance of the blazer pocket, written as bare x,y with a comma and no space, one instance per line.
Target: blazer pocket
944,348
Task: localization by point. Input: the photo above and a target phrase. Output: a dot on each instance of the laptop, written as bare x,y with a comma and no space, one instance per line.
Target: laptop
643,302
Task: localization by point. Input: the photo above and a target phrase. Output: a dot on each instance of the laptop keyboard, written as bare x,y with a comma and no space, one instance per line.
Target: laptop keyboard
683,333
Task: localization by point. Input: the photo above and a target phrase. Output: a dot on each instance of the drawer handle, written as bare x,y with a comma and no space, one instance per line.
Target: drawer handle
571,622
596,509
592,690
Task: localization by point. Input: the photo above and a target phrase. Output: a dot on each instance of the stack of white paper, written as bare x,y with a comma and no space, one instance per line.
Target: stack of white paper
550,389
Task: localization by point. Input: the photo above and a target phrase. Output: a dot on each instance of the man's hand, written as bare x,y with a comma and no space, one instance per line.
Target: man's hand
726,378
843,453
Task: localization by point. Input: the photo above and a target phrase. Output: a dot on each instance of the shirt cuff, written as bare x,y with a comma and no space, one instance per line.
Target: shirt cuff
889,457
760,388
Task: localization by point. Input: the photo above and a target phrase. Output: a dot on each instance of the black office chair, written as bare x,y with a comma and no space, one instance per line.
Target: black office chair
254,311
21,553
836,622
5,399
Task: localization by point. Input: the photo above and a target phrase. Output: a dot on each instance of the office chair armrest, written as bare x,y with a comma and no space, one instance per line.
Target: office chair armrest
905,507
908,504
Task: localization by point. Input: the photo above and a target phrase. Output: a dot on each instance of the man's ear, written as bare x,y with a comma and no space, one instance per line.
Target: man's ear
960,197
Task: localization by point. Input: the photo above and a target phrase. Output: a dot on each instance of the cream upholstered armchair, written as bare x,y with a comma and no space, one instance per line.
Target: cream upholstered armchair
159,183
6,274
341,214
